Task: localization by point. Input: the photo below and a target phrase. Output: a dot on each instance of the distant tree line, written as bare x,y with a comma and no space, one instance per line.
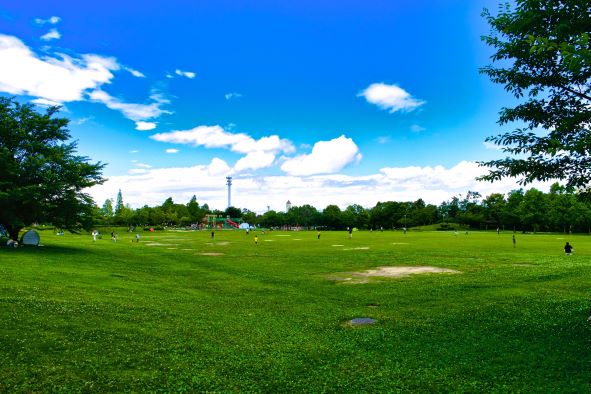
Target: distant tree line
561,209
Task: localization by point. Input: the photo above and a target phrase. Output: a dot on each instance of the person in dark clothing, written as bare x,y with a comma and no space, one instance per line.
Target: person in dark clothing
568,249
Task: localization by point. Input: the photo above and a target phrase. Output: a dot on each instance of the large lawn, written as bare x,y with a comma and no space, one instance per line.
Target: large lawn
180,312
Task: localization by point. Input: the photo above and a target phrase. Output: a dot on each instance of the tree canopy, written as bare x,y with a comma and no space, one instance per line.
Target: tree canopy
41,178
543,57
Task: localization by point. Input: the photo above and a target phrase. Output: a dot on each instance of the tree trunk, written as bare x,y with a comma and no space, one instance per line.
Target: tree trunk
13,232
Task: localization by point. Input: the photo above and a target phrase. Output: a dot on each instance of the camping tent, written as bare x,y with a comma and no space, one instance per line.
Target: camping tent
31,237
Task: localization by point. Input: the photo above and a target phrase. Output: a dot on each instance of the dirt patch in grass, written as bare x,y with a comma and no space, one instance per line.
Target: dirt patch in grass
391,272
211,254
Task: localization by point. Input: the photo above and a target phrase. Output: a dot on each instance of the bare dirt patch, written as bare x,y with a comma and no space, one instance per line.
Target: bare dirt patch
211,254
391,272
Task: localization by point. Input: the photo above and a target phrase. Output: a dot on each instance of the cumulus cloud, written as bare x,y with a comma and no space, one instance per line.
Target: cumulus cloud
433,184
51,20
254,161
187,74
171,150
135,171
57,79
154,186
390,97
63,78
232,95
259,153
52,34
326,157
144,126
217,137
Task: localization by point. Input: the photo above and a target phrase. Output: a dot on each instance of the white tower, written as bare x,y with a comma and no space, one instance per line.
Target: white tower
229,183
287,205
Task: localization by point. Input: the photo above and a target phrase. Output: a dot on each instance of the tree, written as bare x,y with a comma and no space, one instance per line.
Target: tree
41,178
233,212
108,208
119,204
544,51
332,217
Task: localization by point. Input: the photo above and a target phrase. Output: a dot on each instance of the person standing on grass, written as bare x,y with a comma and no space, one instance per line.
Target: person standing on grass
212,234
137,238
568,249
350,232
514,240
318,234
256,240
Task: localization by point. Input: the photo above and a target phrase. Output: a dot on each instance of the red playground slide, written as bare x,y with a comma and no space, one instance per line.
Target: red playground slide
233,224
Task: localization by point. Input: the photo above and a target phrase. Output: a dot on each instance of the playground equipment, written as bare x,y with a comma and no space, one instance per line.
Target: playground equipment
232,223
220,222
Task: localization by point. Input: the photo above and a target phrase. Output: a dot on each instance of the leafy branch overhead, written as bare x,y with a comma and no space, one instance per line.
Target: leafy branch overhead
543,57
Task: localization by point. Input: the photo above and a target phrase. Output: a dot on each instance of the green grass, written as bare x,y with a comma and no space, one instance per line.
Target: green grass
78,316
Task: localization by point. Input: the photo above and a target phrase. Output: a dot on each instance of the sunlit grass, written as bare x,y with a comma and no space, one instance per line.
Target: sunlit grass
182,312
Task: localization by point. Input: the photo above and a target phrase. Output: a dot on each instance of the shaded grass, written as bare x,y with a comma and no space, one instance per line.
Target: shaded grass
78,316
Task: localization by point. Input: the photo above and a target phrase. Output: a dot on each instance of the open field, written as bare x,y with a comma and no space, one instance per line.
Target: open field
180,312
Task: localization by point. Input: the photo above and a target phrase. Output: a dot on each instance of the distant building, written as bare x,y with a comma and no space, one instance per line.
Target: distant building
287,205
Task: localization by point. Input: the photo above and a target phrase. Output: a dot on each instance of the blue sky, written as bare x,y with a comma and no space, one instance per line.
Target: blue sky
318,102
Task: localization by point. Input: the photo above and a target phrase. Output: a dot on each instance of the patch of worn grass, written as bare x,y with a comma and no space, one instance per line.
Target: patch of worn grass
229,315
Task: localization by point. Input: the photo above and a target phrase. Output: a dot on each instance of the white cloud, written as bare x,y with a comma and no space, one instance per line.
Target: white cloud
135,171
81,121
52,20
52,34
383,139
134,151
142,165
45,103
155,185
415,128
135,112
326,157
217,137
143,126
433,184
390,97
62,78
232,95
171,150
135,73
187,74
254,161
